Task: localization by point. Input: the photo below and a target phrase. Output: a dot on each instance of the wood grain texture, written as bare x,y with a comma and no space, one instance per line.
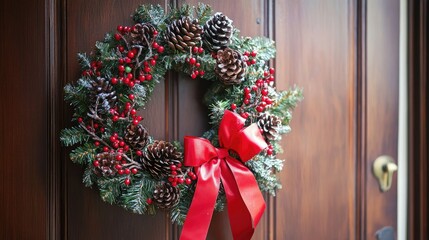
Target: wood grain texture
23,120
87,216
382,39
316,51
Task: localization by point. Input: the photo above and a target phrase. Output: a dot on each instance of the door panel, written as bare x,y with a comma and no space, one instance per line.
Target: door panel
316,45
87,216
381,109
336,51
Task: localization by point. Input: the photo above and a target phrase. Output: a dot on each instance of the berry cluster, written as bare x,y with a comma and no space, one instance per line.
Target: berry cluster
256,96
194,64
133,68
179,176
94,70
251,57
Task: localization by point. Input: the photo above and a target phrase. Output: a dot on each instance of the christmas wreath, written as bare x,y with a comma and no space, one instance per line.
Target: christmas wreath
247,117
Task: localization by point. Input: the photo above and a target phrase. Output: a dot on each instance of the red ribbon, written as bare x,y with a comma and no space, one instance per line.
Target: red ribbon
245,201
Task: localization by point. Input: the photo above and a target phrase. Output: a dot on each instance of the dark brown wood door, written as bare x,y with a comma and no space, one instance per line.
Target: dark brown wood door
345,54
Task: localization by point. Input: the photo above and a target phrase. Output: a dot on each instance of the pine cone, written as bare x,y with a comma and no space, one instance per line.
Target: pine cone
166,196
269,125
183,33
217,32
158,157
142,34
136,136
103,91
230,66
106,165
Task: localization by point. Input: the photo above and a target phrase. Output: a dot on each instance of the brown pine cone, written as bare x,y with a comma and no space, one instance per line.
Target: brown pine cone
142,34
217,32
158,157
136,136
230,66
102,90
107,162
269,125
166,196
183,33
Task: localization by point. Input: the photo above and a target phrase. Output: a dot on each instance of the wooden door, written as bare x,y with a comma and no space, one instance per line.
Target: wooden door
344,53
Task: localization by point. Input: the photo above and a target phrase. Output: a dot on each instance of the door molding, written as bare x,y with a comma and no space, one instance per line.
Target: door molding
417,119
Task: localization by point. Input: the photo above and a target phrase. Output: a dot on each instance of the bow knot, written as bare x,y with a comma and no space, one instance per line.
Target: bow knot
213,165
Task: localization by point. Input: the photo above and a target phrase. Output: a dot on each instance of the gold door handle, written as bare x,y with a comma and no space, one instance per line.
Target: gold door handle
383,169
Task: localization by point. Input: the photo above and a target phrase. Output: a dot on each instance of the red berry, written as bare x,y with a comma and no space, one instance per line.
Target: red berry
131,96
147,69
174,184
233,106
112,138
121,48
247,96
149,77
197,64
160,49
195,49
96,163
121,143
127,171
272,71
127,181
117,37
259,108
126,81
133,112
126,148
179,165
130,54
126,29
118,166
264,92
139,153
196,72
105,149
149,201
192,61
155,33
131,84
120,171
268,101
246,53
253,54
193,75
80,120
142,78
121,68
200,50
115,118
180,180
102,129
155,45
269,151
120,28
97,143
135,122
174,173
188,181
119,157
173,167
134,171
246,101
253,61
246,90
152,62
114,81
202,73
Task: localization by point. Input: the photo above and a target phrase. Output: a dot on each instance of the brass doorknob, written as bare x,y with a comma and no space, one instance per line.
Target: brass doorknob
383,169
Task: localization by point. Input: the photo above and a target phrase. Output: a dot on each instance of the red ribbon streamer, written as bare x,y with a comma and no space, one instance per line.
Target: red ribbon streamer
245,201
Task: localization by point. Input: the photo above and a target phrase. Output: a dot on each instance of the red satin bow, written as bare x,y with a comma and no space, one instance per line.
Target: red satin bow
245,202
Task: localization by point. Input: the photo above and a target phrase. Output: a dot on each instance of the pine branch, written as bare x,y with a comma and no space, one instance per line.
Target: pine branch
110,188
72,136
89,177
136,195
84,154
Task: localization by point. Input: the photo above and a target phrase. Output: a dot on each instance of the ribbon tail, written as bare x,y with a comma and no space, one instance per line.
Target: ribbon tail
200,212
245,201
